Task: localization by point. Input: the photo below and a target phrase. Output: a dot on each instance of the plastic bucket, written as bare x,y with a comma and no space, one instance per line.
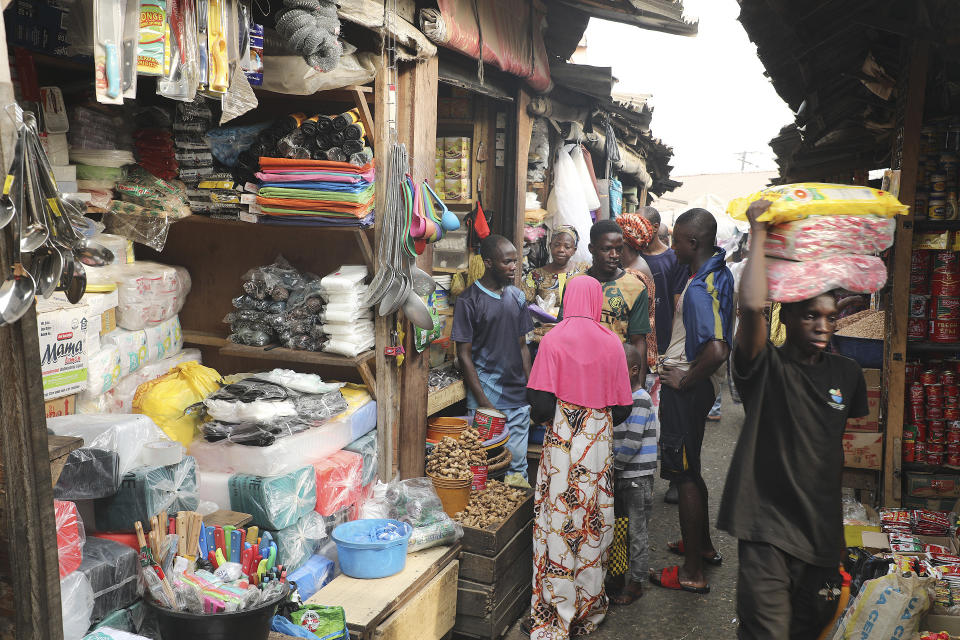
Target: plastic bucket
368,560
253,624
437,428
454,494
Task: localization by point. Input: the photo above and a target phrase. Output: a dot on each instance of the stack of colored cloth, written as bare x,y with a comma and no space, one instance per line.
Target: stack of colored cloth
315,192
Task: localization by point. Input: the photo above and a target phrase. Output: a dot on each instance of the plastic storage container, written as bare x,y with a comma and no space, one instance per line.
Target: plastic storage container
369,560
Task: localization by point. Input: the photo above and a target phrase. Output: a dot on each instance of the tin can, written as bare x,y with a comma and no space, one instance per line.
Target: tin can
920,261
945,284
935,413
948,160
946,262
943,307
930,376
489,422
917,329
945,330
934,459
938,184
921,203
921,429
949,380
934,390
951,402
917,394
917,413
936,425
935,437
937,205
953,425
951,414
936,447
912,371
953,439
952,459
920,449
919,304
908,447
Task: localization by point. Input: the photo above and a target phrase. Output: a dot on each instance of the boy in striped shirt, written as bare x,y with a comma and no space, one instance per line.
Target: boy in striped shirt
635,462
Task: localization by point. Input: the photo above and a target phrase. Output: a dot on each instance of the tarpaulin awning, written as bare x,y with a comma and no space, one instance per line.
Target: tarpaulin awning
510,35
655,15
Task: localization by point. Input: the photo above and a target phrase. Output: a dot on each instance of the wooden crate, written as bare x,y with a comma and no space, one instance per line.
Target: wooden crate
429,615
490,542
481,568
496,623
480,598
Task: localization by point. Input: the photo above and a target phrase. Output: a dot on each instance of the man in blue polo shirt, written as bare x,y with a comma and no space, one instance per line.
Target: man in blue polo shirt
490,325
691,374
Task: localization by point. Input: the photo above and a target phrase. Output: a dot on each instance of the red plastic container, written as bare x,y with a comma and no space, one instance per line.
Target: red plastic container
70,536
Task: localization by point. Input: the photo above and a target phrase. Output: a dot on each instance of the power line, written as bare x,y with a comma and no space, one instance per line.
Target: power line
743,159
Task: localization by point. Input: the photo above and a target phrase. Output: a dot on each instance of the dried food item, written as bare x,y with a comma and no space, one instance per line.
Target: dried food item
870,324
846,321
471,443
491,506
449,460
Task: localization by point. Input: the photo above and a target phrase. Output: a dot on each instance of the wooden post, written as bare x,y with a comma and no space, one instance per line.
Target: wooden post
896,344
387,377
417,115
524,131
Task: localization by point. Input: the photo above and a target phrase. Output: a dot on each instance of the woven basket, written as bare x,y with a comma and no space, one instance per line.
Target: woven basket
500,463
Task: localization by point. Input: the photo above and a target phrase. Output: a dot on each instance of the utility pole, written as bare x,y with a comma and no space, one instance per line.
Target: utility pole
743,159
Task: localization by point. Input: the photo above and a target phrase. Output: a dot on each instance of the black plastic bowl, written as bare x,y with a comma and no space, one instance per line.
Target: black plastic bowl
252,624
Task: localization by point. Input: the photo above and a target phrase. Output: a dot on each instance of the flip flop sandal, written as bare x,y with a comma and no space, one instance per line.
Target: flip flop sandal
677,548
669,578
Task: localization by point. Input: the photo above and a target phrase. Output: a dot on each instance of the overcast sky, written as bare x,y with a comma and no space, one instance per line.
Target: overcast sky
711,99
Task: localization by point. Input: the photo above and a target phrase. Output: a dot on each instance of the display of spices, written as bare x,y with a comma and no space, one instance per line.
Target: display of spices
491,506
450,460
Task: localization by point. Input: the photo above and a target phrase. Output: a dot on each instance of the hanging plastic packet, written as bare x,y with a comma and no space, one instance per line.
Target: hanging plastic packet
182,76
153,17
108,34
218,56
240,98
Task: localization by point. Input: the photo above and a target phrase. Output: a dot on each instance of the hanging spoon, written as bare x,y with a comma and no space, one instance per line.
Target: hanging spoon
17,291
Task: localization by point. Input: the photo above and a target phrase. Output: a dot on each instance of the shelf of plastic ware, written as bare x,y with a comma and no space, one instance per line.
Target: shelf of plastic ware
201,219
442,398
933,347
272,352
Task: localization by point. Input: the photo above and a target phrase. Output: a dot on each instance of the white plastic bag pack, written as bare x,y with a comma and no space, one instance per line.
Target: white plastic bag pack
149,293
568,206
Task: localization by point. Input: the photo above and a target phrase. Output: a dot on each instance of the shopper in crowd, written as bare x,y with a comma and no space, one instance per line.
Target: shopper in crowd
490,325
669,277
635,462
580,382
782,499
691,374
546,283
625,302
637,233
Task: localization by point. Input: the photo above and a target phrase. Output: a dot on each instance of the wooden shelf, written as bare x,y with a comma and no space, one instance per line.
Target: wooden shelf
292,355
204,339
460,122
936,225
933,347
443,398
343,94
460,203
202,219
448,269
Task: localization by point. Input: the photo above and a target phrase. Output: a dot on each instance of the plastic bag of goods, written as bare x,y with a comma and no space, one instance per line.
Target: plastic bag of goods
111,568
103,370
794,281
120,398
366,446
112,446
315,573
275,502
802,200
70,536
338,481
76,602
296,544
819,237
415,502
145,492
167,398
891,606
149,293
567,204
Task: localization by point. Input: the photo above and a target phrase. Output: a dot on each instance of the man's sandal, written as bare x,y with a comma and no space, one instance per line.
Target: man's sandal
669,578
627,595
677,548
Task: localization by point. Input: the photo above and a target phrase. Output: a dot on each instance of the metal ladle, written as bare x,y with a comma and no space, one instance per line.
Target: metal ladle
47,261
8,208
19,289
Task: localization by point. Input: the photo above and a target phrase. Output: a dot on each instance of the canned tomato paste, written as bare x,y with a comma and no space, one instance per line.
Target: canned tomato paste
942,307
489,422
944,330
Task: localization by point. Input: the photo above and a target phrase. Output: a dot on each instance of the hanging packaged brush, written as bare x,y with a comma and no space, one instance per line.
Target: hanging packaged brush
108,35
219,61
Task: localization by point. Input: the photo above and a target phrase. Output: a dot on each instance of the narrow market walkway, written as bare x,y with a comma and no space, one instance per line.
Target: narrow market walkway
670,615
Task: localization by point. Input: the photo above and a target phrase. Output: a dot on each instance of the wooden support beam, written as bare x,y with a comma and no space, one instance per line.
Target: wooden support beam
895,347
366,249
417,128
361,100
524,123
387,377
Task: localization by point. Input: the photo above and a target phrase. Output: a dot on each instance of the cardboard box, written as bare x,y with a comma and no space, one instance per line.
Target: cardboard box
931,504
64,350
879,542
65,406
863,450
871,422
932,485
108,321
937,623
456,147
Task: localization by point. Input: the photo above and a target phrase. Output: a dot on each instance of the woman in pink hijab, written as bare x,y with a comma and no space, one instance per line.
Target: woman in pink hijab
580,382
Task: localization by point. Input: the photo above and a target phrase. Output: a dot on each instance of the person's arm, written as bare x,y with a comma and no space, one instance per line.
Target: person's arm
752,332
639,341
543,405
713,354
638,327
525,357
619,413
470,377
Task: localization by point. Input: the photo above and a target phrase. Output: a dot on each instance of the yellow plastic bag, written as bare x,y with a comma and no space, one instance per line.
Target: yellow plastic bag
166,398
805,199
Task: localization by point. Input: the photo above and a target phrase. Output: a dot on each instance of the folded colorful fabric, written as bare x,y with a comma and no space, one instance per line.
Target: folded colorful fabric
294,175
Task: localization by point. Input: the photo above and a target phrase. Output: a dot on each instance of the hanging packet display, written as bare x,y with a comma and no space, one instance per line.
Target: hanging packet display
153,18
108,54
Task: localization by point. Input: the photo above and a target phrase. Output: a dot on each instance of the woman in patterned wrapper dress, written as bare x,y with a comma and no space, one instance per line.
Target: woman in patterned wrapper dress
580,380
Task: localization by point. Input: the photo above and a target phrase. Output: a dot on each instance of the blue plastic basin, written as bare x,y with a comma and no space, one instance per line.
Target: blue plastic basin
368,560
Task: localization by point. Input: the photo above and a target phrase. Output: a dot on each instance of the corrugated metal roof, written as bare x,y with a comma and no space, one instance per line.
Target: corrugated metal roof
656,15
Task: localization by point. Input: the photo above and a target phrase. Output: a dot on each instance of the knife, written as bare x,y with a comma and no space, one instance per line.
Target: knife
130,44
202,11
